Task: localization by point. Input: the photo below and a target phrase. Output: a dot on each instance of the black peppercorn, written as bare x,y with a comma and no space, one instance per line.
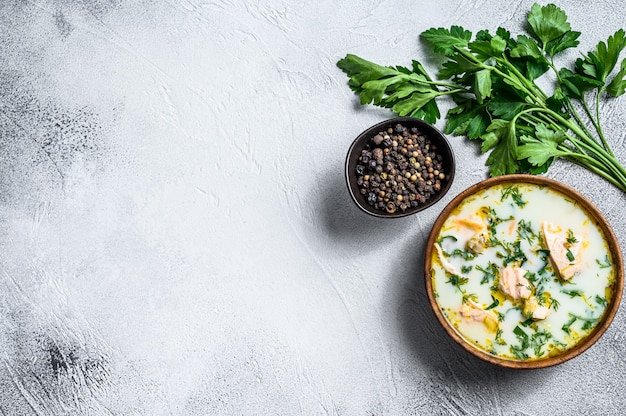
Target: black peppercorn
399,169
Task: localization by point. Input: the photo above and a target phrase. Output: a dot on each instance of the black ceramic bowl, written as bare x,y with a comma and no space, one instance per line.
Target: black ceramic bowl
438,144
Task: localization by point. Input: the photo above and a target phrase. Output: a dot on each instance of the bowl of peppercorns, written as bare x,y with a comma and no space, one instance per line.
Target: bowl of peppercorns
399,167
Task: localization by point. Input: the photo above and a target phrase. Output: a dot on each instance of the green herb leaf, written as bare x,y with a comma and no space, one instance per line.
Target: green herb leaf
521,336
514,193
568,40
446,40
505,106
503,158
571,237
602,301
526,48
548,23
538,340
413,103
618,84
568,324
573,293
606,263
482,85
599,63
456,280
406,92
525,231
543,147
495,303
575,85
489,273
468,118
485,48
466,269
458,65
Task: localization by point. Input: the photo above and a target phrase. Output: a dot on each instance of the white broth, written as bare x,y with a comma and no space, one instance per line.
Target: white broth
521,271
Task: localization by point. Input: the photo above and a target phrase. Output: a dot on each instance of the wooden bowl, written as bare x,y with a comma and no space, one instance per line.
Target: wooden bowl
613,248
434,135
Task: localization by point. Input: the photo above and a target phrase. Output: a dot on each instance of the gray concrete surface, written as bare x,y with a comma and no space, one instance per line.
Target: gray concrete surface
176,237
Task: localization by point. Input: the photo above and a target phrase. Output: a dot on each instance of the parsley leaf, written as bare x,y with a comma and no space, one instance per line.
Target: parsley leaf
445,41
407,92
548,23
618,84
599,63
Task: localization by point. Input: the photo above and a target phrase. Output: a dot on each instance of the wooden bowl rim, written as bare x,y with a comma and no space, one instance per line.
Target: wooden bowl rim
593,212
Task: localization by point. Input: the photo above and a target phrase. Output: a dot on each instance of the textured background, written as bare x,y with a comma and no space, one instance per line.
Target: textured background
176,237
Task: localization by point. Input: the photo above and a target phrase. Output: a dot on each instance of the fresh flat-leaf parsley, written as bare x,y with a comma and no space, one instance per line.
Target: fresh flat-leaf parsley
491,78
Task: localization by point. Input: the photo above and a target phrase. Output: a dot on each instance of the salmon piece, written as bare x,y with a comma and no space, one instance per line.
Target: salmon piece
513,283
471,223
565,250
444,262
471,311
532,309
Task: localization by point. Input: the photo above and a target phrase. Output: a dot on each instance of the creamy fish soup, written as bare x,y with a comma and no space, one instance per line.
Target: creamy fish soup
521,271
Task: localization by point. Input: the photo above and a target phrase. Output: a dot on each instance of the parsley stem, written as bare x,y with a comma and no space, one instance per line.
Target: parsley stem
521,81
588,162
528,83
598,125
570,106
572,110
602,162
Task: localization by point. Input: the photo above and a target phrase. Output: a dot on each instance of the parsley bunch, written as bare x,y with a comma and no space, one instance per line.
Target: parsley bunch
492,81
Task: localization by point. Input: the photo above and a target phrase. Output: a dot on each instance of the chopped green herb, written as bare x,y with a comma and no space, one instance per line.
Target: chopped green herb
531,277
443,238
555,304
520,350
466,269
543,256
495,303
568,324
571,238
538,340
489,273
570,255
513,253
465,254
513,192
457,280
469,296
498,337
604,264
494,220
525,232
588,323
600,300
572,293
